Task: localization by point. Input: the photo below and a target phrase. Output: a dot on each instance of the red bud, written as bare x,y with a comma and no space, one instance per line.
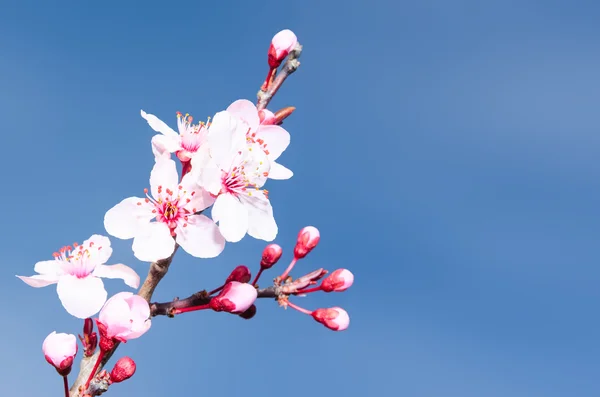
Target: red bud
123,370
240,274
270,256
308,238
249,313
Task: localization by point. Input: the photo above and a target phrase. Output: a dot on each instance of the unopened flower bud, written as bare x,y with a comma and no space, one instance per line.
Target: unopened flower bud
123,370
266,117
283,114
235,298
338,281
240,274
308,238
89,340
270,256
249,313
60,350
281,45
334,318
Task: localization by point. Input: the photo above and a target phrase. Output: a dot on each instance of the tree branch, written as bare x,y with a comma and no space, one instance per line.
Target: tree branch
290,66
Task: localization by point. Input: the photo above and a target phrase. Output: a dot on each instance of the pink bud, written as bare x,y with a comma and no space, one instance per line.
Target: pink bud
270,256
240,274
266,117
235,298
308,238
125,316
60,350
281,45
335,318
123,370
338,281
248,314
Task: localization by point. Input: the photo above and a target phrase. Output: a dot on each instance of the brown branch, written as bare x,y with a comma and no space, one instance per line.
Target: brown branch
290,66
156,273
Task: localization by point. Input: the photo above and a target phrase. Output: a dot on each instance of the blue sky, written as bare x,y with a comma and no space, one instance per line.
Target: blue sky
447,151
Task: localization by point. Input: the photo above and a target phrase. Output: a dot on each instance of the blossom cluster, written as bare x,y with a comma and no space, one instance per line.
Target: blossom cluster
224,165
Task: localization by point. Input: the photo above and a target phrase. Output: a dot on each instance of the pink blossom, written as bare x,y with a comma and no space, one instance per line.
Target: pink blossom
235,298
340,280
185,144
173,206
273,139
308,238
60,350
334,318
281,45
77,272
270,256
234,172
125,316
124,369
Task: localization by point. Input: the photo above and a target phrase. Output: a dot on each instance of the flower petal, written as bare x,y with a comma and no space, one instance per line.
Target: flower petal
163,145
40,280
201,200
205,172
200,237
232,217
164,175
153,242
275,138
279,172
121,271
126,218
245,110
98,248
261,223
158,125
226,136
81,297
48,267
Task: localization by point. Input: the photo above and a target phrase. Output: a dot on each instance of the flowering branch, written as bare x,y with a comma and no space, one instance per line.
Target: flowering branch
291,65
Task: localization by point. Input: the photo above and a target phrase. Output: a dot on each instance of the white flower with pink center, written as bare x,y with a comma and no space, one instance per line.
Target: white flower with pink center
234,171
185,143
174,208
77,271
273,139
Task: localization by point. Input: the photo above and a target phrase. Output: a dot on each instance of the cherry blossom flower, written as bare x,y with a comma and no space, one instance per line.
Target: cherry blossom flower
233,172
236,297
60,350
185,143
273,139
174,208
281,45
77,272
125,316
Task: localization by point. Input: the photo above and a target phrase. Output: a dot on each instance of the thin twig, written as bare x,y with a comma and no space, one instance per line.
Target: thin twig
290,66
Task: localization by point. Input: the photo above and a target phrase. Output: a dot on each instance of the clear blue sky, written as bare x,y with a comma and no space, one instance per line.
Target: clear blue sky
447,151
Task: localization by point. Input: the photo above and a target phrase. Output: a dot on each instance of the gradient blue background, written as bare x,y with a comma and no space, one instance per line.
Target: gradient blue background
447,151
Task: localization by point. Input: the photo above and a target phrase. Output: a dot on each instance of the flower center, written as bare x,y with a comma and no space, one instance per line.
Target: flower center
75,261
170,207
192,135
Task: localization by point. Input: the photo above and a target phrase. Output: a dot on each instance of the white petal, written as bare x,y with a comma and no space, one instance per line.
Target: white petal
164,174
99,249
40,280
121,271
158,125
200,237
48,267
125,219
275,138
279,172
201,199
81,297
245,110
261,223
153,242
232,217
226,136
163,145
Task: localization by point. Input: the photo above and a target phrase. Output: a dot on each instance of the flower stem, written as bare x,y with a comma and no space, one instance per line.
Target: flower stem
306,291
300,309
96,365
214,291
66,384
257,276
289,269
189,309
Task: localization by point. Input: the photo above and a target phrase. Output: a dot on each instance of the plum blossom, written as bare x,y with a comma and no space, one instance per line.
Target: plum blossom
60,350
233,172
281,45
236,297
185,143
77,271
125,316
173,206
273,139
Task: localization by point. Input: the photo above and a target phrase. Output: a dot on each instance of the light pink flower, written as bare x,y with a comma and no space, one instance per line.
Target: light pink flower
125,316
273,139
281,45
338,281
233,172
335,318
60,350
77,272
185,143
235,298
173,206
308,238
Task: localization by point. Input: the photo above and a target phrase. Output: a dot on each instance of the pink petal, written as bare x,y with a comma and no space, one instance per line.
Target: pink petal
201,199
284,41
48,267
99,249
279,172
163,146
242,294
205,171
276,139
115,314
81,297
232,217
201,237
226,136
153,242
342,320
121,271
40,280
246,111
158,125
164,174
261,223
125,219
58,347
